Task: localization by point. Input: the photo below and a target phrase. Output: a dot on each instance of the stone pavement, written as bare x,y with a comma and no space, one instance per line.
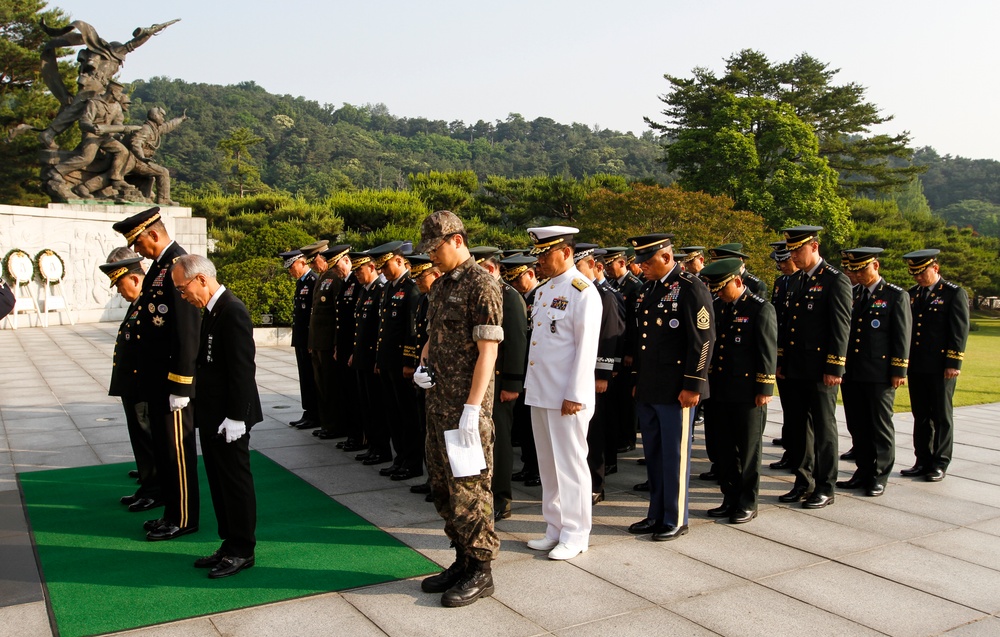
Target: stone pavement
924,559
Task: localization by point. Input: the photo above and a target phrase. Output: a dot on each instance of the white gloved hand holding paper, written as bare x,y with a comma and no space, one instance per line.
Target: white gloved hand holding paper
468,424
178,402
233,429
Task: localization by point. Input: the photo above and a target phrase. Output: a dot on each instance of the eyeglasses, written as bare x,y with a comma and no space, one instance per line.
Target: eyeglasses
438,246
181,288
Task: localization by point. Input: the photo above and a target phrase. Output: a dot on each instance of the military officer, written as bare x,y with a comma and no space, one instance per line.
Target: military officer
750,280
397,312
509,381
347,302
168,329
363,362
424,273
742,383
628,285
692,258
124,268
779,299
812,355
297,265
331,266
560,389
877,358
940,311
676,333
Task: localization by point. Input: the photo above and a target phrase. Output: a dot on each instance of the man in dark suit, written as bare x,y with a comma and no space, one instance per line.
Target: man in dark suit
676,333
623,409
363,360
779,299
937,346
742,383
877,359
812,353
305,281
168,329
124,268
228,406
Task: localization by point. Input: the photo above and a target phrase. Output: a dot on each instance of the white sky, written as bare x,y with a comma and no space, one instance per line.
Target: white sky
594,62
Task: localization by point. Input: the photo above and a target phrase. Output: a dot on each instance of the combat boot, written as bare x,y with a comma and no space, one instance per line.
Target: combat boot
477,582
446,579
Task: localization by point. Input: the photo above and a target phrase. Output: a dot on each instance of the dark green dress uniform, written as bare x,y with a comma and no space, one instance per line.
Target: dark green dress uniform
940,331
629,286
347,397
512,356
743,366
366,321
878,351
675,337
168,329
125,384
813,344
398,309
322,341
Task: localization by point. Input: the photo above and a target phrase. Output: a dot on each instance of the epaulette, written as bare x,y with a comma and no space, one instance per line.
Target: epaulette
832,269
633,277
951,285
690,278
759,300
580,284
894,287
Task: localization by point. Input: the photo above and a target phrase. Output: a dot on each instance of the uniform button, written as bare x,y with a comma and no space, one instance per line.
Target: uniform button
645,323
645,311
721,346
643,347
855,351
644,336
532,363
534,342
792,343
539,323
793,329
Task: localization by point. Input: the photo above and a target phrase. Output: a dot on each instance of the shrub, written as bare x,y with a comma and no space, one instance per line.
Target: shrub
263,285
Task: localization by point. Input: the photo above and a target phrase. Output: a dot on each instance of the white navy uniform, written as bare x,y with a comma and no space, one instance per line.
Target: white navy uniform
565,329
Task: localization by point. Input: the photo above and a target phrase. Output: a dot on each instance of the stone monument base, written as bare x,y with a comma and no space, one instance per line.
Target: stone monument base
81,235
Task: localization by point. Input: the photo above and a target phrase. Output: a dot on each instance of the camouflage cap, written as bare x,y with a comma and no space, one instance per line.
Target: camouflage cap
437,227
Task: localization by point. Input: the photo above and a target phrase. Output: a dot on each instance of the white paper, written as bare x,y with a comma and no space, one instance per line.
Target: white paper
465,460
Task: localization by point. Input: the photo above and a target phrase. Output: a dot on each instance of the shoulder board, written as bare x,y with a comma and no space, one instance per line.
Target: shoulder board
175,259
690,278
894,287
833,270
754,297
632,277
580,284
949,284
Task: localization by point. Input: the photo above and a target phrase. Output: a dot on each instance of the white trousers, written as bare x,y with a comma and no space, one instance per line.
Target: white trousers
561,443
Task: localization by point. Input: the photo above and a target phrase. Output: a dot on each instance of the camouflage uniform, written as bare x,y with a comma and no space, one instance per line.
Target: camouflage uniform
465,305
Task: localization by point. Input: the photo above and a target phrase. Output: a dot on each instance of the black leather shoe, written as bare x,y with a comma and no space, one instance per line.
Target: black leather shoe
363,456
641,462
211,561
144,504
340,445
520,476
742,516
875,490
797,494
854,483
533,481
424,488
297,422
351,446
669,532
169,532
429,497
610,469
305,424
376,458
385,472
134,474
445,579
708,475
597,497
149,525
915,471
778,442
328,435
129,499
817,501
720,511
848,455
230,565
501,515
642,486
626,448
934,475
475,583
649,525
781,464
406,474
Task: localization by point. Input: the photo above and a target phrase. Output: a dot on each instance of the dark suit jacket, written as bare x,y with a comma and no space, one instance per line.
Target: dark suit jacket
302,309
746,349
366,321
940,328
512,354
168,328
347,301
323,321
880,335
675,336
814,341
227,387
127,358
397,310
609,346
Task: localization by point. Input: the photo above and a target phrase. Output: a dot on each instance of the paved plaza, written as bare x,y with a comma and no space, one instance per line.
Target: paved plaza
924,559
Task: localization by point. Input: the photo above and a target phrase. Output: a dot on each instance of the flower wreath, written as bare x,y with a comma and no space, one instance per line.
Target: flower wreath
16,260
50,266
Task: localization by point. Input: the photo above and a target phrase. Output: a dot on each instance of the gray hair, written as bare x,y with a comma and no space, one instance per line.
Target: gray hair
191,265
120,254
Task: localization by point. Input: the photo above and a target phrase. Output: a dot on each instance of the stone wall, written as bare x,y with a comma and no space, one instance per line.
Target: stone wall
81,234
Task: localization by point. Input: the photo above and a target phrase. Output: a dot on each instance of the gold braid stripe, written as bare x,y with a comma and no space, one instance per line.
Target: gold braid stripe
900,362
131,236
117,274
836,360
959,356
183,380
765,379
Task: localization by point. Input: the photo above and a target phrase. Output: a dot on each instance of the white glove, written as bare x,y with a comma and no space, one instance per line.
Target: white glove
468,424
234,429
422,378
178,402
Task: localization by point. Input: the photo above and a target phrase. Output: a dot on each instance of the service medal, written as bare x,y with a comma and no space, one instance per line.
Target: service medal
162,308
151,308
876,323
674,323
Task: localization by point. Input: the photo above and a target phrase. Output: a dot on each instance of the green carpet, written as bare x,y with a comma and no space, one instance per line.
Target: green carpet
103,576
